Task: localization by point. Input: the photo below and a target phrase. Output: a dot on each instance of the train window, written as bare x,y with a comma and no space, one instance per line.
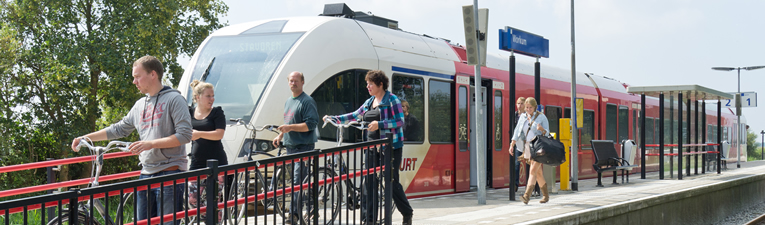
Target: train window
624,129
712,133
674,131
553,114
341,94
685,131
667,130
611,123
463,127
240,73
440,112
636,126
411,91
498,120
567,112
649,131
725,134
588,128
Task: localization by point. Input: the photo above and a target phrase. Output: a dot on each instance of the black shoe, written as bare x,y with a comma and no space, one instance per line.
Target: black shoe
372,222
292,220
407,220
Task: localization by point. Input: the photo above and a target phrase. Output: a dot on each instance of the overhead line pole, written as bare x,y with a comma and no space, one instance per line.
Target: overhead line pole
574,131
480,144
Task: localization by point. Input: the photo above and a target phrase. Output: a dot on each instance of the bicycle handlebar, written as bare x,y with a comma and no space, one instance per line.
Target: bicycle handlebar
98,155
119,145
355,124
269,127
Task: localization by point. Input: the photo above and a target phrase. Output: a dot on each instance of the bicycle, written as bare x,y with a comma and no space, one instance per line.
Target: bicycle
355,193
84,211
282,179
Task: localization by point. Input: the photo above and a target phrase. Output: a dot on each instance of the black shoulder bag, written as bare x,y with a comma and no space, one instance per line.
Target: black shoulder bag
548,151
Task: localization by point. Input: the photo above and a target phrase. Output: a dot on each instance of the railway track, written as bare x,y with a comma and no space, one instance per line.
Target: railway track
757,221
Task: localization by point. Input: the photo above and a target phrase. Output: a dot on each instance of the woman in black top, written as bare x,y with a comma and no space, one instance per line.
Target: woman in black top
208,123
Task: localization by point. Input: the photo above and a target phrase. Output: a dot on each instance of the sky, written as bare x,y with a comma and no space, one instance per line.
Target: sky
641,43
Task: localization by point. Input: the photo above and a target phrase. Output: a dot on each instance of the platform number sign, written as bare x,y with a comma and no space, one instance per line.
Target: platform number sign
748,99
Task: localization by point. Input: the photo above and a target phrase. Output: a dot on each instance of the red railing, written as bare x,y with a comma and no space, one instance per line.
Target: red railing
43,164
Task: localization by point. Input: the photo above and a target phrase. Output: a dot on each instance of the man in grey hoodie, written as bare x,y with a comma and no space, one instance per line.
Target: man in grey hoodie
164,125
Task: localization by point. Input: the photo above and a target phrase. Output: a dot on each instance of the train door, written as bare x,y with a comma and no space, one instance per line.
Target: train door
481,103
500,160
461,151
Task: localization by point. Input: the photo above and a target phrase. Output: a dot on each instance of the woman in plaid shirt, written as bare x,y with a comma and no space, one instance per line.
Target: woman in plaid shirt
384,113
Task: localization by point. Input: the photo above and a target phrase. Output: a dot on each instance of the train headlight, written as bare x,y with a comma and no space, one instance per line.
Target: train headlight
263,146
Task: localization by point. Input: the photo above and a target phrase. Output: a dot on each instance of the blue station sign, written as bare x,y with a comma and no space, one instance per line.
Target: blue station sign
522,42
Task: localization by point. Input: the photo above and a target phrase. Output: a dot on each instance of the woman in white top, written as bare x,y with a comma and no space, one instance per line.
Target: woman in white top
531,124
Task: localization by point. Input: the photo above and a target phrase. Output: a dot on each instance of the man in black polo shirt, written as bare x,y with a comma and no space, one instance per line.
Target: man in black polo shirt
298,134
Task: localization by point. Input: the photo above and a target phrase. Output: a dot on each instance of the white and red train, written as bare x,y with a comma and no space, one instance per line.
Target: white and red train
249,63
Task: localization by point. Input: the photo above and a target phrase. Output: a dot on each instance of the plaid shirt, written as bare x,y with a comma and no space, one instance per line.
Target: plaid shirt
391,117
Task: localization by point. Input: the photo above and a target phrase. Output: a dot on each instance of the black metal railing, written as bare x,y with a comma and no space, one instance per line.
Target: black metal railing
343,184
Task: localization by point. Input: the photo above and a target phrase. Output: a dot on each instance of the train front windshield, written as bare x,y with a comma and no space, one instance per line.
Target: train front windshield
239,67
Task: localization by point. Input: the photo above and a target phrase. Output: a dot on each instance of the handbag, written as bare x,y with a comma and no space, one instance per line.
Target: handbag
547,150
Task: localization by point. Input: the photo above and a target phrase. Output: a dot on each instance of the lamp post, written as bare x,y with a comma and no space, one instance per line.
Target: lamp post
762,149
738,107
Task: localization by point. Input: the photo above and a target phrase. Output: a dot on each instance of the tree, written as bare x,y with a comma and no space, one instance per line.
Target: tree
752,150
72,71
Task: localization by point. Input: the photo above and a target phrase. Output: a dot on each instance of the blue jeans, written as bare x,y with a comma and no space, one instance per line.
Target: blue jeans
299,173
147,200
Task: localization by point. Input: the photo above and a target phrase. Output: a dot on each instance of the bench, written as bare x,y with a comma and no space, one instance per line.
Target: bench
711,159
607,159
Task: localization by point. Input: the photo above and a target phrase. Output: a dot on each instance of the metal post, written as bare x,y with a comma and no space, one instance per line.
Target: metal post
315,186
212,189
671,134
538,82
680,135
762,148
738,121
704,132
688,138
661,135
388,188
574,130
512,126
51,179
642,136
72,207
480,144
696,135
719,135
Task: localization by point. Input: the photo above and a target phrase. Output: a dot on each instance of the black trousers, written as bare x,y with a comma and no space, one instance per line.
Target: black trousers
371,190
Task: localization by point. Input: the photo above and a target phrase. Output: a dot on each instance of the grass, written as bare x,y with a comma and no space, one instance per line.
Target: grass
34,216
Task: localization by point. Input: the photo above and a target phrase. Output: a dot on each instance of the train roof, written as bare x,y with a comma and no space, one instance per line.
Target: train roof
403,41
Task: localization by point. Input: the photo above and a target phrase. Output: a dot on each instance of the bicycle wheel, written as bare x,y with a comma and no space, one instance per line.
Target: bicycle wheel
81,219
193,202
236,214
194,199
329,198
281,202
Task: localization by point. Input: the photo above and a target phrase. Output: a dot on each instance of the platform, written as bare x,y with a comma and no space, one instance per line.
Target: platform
697,199
583,206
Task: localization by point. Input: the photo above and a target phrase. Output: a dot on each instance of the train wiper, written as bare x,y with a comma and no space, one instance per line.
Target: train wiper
207,71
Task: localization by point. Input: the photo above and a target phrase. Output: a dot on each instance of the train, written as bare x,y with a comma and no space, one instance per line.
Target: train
248,65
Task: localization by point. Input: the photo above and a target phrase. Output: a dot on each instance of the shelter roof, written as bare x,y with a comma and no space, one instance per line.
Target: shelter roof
692,92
